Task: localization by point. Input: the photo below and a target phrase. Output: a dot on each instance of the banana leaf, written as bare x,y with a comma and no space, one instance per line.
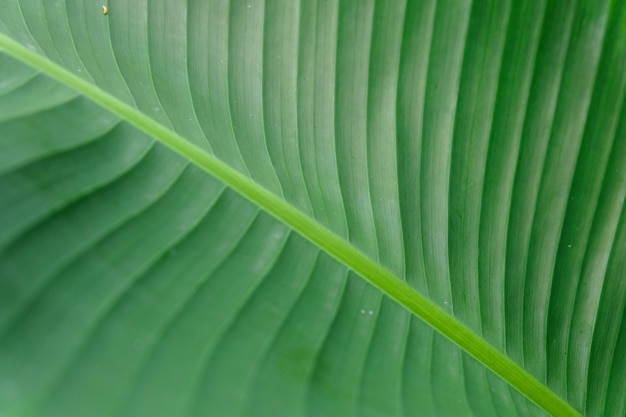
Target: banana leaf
312,208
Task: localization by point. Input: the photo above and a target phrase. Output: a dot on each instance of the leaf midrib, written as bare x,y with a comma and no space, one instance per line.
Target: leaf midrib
310,229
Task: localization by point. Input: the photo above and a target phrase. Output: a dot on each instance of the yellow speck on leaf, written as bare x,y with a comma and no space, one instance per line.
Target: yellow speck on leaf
105,10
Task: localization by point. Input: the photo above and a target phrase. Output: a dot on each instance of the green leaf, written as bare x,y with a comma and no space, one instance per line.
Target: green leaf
323,208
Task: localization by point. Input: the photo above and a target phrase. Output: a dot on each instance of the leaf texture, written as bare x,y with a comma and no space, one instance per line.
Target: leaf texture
474,151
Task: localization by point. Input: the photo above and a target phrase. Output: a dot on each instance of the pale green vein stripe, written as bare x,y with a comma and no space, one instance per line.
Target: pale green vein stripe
334,245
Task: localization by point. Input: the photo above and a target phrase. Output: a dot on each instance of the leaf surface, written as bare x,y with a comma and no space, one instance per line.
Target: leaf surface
277,208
